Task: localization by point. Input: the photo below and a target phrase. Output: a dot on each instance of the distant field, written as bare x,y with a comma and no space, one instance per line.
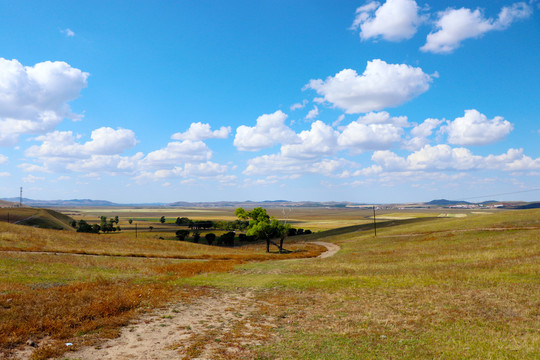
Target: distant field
425,287
315,219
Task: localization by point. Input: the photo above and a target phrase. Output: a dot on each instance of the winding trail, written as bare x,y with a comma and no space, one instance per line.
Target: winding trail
331,249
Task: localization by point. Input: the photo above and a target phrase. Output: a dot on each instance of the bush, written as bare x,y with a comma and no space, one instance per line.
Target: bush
227,239
182,234
210,237
196,236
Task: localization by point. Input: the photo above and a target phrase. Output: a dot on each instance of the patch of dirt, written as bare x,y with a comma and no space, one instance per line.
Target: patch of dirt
332,249
221,325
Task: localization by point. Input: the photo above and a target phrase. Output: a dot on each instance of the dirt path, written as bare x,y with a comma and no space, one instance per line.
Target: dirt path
331,249
222,325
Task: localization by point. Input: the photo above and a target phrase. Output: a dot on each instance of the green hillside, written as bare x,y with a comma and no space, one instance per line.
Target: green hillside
41,218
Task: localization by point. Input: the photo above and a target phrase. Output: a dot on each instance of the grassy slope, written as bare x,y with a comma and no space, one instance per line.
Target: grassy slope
41,218
46,291
450,288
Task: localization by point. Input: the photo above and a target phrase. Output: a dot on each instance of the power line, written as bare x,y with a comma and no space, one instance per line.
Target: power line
508,193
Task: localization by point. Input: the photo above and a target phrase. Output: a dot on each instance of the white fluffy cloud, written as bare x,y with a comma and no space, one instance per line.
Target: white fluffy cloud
312,114
33,99
3,159
395,20
60,151
270,130
421,133
109,164
381,85
62,144
457,25
177,153
320,140
429,158
383,117
474,128
445,158
107,141
280,164
360,137
426,128
200,131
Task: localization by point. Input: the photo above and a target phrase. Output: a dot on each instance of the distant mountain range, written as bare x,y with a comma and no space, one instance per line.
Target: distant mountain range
444,202
6,202
73,202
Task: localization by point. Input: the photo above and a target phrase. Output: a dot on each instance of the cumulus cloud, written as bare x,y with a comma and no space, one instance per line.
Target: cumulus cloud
442,157
204,170
456,25
174,153
105,141
299,105
429,158
312,114
381,85
421,133
280,164
108,164
426,128
34,99
395,20
383,117
200,131
269,130
320,140
474,128
60,151
358,137
512,160
3,159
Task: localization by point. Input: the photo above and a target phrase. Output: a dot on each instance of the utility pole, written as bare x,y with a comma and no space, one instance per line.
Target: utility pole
135,230
374,221
20,199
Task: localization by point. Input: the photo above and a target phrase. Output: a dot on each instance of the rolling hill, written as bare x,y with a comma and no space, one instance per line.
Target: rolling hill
41,218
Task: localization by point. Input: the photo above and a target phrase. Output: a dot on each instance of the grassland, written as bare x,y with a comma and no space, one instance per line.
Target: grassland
425,287
452,288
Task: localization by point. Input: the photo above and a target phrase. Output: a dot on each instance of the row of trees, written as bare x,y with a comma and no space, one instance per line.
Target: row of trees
105,226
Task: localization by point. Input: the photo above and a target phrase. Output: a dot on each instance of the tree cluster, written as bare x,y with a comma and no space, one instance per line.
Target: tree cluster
263,227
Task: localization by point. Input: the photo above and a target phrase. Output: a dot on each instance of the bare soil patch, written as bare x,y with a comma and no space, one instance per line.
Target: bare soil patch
218,325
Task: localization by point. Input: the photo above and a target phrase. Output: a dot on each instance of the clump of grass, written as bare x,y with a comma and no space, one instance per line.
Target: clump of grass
62,312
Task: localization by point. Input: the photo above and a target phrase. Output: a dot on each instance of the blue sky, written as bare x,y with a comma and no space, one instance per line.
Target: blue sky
389,101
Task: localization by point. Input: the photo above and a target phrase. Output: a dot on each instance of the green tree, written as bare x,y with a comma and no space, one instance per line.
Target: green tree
196,236
130,221
210,237
162,220
263,226
116,219
182,234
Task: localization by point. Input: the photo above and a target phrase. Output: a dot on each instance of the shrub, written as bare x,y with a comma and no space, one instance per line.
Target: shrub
182,234
210,237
